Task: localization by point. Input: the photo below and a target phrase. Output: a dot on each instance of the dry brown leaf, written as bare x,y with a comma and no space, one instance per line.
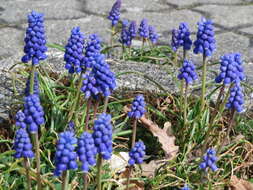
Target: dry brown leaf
240,184
168,142
149,169
135,184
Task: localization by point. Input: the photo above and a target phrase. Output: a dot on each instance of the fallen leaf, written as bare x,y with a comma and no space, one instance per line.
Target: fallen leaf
118,162
167,141
149,169
133,184
240,184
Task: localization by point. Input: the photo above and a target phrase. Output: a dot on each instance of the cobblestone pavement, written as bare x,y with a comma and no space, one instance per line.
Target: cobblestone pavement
233,20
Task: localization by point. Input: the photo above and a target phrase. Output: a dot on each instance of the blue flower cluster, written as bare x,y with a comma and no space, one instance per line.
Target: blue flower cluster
186,187
92,49
86,151
128,33
153,36
137,153
65,156
181,37
35,39
144,29
74,51
209,160
20,119
102,135
105,78
89,88
205,42
114,14
138,107
236,99
36,87
33,112
231,69
22,144
187,72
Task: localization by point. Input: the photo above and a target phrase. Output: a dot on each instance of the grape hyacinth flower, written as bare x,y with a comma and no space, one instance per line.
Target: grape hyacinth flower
205,42
114,14
174,40
186,187
71,126
105,78
138,107
187,72
132,30
231,69
209,160
236,99
92,49
103,135
36,87
33,112
137,153
153,36
90,86
65,156
144,29
86,151
22,144
124,35
74,51
20,119
35,39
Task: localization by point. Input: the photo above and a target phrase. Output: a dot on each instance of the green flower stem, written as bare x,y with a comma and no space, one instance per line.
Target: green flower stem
185,104
134,133
128,177
96,108
37,157
75,104
182,82
203,90
27,168
85,181
106,103
65,180
87,115
112,35
99,169
32,79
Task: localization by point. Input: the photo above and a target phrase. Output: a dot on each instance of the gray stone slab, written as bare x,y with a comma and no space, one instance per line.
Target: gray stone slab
192,3
229,16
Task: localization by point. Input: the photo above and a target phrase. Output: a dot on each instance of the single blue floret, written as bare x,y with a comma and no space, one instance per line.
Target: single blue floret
74,51
65,156
236,99
187,72
137,153
143,29
138,107
22,144
231,69
205,42
33,112
102,135
86,151
114,14
209,160
35,39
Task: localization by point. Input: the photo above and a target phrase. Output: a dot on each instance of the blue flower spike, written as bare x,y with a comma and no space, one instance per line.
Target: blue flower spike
65,156
36,87
35,39
205,42
138,107
188,72
153,35
137,153
86,151
114,14
209,160
22,144
20,119
236,99
102,135
144,29
186,187
74,51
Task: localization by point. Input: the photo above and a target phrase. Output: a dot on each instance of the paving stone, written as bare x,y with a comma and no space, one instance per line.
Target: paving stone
229,16
192,3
